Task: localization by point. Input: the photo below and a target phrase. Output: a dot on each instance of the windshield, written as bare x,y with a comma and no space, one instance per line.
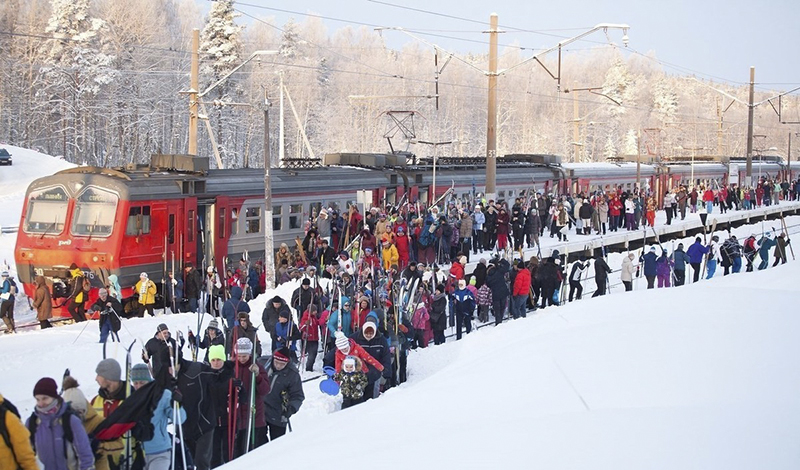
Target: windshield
95,210
47,210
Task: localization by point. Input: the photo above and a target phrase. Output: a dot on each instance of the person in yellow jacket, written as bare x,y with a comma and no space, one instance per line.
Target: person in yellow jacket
147,294
110,395
15,441
78,402
390,255
78,295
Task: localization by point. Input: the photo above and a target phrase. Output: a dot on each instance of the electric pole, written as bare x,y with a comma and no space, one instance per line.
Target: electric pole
749,176
269,249
491,126
195,85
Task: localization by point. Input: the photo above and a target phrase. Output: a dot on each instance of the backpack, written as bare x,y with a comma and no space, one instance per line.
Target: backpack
63,420
59,289
13,289
5,407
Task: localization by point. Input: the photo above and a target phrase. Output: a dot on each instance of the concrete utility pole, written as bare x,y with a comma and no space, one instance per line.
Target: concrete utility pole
269,247
195,85
749,175
491,126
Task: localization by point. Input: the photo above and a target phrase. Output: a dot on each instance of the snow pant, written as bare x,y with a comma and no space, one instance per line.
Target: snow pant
159,461
348,402
669,215
498,309
489,236
259,437
547,296
466,243
663,281
502,241
464,320
696,269
764,260
680,277
613,223
711,267
518,238
575,286
629,221
683,211
193,304
202,450
438,337
779,259
651,282
651,218
628,285
146,308
602,285
76,310
532,239
7,314
477,241
311,354
275,431
483,313
419,338
737,264
518,306
105,330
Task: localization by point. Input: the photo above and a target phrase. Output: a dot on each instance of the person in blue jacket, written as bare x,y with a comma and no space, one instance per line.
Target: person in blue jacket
765,244
650,267
696,252
680,258
158,450
333,320
234,306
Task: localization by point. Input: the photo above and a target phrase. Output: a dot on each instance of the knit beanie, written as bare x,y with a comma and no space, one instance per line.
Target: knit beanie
244,346
213,324
46,386
109,369
216,352
281,355
76,399
140,373
342,342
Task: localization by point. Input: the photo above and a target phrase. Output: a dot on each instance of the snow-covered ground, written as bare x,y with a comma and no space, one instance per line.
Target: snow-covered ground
704,376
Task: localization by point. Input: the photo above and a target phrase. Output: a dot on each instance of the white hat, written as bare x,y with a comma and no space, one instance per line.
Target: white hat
210,269
244,346
349,361
143,275
342,342
369,324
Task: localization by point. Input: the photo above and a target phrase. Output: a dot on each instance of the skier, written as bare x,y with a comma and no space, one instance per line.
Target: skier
601,272
731,253
310,326
664,269
575,277
780,249
57,434
110,310
628,269
464,308
254,383
520,292
496,280
43,303
680,259
15,445
146,290
193,285
110,395
285,396
269,318
713,254
243,329
213,336
233,307
696,253
159,352
438,315
650,270
79,290
157,451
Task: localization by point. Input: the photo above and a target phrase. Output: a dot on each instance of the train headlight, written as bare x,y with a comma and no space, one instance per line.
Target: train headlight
95,258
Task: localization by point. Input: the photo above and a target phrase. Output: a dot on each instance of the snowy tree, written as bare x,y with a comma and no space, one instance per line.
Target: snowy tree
665,101
220,40
631,144
610,150
290,39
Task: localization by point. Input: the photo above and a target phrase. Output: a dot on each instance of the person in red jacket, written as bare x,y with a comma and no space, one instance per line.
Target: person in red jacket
520,291
359,316
401,242
310,326
614,211
246,372
708,200
457,268
348,347
502,229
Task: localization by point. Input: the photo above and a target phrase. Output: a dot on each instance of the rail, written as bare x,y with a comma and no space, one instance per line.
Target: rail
9,229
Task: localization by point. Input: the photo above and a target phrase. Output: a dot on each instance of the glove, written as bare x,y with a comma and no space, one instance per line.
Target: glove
237,384
144,357
177,396
191,337
174,282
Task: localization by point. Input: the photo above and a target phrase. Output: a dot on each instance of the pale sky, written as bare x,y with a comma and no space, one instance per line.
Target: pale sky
713,39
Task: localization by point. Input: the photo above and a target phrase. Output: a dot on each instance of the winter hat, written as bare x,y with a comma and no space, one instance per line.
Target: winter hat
276,300
140,373
369,325
162,327
76,399
483,261
244,315
653,249
216,352
102,291
46,386
473,281
349,361
244,346
462,260
284,314
4,274
400,229
109,369
143,276
213,324
342,342
680,246
306,282
281,355
210,269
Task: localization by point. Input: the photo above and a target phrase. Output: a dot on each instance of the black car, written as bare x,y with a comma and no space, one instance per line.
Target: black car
5,157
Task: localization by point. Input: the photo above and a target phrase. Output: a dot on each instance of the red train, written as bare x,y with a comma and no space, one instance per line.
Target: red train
175,210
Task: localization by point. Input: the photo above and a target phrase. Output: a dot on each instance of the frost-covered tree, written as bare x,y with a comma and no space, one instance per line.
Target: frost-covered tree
630,145
290,39
610,150
665,101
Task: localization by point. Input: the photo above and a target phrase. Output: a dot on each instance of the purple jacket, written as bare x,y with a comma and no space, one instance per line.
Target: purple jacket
50,441
663,266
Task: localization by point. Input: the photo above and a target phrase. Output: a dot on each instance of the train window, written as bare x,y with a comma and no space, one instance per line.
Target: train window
138,221
47,211
501,194
277,218
252,220
234,221
190,226
221,222
295,216
95,211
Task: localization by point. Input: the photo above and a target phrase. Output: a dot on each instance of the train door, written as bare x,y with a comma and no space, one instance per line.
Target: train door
175,236
205,229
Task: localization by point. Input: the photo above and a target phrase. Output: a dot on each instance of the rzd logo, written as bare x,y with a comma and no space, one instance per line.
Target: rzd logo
64,242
